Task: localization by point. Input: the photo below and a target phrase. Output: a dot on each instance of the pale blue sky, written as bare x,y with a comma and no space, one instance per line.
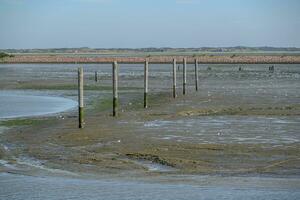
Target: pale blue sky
148,23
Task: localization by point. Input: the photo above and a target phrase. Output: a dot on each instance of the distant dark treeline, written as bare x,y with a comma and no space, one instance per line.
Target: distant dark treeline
3,55
152,49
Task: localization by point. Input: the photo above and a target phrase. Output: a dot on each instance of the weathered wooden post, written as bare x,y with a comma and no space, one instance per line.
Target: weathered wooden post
146,68
174,78
184,76
96,76
196,74
80,97
115,88
271,69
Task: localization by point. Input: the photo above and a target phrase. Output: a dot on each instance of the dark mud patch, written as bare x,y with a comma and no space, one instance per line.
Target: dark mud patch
152,158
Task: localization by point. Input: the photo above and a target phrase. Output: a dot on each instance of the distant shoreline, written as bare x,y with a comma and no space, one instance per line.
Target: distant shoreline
202,59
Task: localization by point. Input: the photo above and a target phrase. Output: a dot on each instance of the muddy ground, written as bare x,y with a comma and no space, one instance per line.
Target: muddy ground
161,134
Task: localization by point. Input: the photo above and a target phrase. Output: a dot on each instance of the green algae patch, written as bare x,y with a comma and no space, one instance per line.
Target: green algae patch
64,86
103,105
2,152
61,87
23,122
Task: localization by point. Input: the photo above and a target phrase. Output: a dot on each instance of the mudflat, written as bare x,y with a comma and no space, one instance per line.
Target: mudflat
240,122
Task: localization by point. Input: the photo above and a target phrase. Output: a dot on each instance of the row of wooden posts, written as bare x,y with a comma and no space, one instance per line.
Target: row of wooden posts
146,84
146,73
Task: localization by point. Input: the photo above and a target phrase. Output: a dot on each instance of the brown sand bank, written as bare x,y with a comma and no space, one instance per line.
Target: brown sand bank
205,59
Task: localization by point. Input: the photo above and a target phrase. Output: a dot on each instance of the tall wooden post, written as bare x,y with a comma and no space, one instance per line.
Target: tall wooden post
115,88
146,68
184,76
196,74
174,78
80,97
96,76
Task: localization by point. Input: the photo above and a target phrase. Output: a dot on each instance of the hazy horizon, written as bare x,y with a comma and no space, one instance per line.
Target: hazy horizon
96,48
46,24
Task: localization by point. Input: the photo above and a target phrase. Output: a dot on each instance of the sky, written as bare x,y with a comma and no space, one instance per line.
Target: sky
148,23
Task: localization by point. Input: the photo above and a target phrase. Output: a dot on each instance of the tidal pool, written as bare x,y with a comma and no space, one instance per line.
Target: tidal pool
16,104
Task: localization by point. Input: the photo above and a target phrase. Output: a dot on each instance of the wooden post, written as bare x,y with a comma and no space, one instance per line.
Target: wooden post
146,68
184,76
196,74
174,78
271,68
115,88
80,97
96,76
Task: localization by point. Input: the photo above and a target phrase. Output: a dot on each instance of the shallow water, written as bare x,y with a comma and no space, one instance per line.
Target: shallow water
17,187
19,104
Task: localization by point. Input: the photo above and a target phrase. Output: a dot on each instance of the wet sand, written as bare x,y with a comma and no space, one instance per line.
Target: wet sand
240,123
